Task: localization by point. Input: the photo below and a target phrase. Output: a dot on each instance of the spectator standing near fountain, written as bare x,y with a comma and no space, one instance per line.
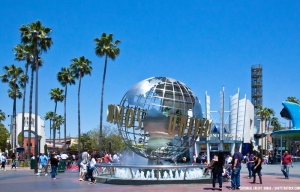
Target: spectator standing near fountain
83,164
249,163
217,170
107,158
236,169
257,168
91,166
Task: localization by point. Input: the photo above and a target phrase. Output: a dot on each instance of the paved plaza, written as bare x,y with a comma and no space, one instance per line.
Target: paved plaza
24,180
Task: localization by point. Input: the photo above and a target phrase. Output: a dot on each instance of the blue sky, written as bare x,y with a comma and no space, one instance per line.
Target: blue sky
204,44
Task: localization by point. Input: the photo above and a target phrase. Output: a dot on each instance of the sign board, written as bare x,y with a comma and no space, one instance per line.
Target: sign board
20,149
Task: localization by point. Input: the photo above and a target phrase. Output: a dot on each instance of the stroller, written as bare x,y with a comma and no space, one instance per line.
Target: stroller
226,174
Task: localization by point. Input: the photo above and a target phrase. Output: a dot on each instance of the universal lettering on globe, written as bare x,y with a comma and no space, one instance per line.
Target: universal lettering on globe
159,118
115,115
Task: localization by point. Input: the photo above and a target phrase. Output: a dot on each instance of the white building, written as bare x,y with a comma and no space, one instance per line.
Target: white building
40,129
239,131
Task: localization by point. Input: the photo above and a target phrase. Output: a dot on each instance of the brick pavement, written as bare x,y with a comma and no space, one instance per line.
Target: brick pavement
24,180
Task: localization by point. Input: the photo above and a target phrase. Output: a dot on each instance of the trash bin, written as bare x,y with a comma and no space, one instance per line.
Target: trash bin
31,163
61,167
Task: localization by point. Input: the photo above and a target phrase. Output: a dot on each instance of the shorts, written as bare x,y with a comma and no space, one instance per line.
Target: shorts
83,168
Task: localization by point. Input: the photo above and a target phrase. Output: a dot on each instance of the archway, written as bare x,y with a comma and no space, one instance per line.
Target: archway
29,146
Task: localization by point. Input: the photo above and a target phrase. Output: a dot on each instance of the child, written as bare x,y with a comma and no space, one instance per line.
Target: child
225,173
14,164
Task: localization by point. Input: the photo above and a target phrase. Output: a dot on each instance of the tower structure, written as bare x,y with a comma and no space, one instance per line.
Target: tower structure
257,100
256,86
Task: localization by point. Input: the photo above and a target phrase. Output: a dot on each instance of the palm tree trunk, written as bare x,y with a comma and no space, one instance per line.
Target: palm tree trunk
15,123
23,107
65,116
79,114
14,119
101,105
30,113
50,130
54,128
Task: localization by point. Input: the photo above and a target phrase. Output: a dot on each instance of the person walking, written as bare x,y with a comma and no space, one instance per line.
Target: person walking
249,163
285,164
54,163
91,166
217,170
43,164
3,161
83,164
14,164
257,168
236,169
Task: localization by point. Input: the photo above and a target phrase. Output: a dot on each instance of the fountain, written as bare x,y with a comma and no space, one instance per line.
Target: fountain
159,119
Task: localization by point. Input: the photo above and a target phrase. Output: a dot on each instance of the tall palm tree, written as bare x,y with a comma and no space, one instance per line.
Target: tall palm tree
49,116
80,67
57,96
14,77
265,115
28,37
14,93
24,52
2,116
35,34
275,123
33,67
105,47
65,77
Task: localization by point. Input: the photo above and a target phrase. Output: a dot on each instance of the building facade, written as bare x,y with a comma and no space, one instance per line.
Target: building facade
238,132
40,131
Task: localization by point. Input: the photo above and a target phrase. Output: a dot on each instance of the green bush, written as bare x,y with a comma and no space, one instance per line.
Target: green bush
23,163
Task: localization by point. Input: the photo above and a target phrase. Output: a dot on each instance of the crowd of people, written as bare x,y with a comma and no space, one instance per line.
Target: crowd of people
222,166
230,167
87,161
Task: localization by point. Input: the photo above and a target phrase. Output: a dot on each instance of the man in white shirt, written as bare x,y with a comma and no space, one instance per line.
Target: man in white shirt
64,158
3,161
115,158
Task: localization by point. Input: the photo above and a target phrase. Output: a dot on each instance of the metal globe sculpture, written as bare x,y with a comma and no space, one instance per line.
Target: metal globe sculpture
159,118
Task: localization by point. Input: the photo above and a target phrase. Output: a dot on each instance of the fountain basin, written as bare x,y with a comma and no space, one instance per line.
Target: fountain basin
150,174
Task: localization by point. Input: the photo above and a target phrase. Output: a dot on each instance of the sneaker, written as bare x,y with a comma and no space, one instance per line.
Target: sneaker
46,174
38,174
80,179
238,188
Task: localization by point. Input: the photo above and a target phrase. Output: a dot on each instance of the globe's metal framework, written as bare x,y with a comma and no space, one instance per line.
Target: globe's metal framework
159,97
